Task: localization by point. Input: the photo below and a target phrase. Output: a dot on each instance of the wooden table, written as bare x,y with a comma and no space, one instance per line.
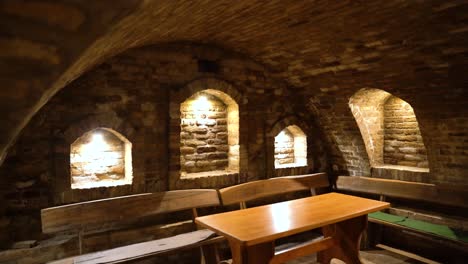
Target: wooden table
252,232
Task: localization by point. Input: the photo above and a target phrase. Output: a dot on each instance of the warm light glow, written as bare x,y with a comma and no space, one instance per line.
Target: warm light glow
281,215
100,158
282,140
98,138
95,147
201,104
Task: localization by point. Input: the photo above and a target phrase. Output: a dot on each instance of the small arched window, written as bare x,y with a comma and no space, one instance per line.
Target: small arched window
389,128
209,137
290,148
100,158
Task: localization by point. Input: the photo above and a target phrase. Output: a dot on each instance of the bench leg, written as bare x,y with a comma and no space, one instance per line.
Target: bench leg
375,234
348,236
210,254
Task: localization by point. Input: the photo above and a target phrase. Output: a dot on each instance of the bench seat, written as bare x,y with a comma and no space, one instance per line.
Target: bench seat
432,216
144,249
441,231
133,212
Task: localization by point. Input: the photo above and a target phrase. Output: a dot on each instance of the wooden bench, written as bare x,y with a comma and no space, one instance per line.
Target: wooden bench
81,217
431,224
251,191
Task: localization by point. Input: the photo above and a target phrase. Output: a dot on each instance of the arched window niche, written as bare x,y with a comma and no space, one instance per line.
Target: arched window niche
209,137
390,130
101,157
290,148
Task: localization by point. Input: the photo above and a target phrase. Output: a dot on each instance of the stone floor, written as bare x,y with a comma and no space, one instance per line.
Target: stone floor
367,257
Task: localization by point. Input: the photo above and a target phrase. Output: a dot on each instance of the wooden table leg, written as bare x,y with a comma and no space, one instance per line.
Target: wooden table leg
256,254
348,236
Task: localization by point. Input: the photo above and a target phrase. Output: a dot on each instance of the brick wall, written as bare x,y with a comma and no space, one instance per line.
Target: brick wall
403,144
138,94
204,136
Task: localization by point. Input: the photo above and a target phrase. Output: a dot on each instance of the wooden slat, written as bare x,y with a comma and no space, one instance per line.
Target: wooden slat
265,188
140,251
403,189
407,254
79,215
302,250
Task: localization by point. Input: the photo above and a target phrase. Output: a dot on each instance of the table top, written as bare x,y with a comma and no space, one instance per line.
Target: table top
269,222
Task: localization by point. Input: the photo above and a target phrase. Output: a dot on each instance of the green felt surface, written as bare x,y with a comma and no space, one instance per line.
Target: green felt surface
387,217
440,230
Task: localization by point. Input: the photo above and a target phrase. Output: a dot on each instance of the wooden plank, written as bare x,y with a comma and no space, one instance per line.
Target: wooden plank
407,254
302,250
265,188
144,250
79,215
403,189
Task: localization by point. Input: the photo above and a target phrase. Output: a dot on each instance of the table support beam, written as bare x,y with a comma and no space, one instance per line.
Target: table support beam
348,236
260,253
302,250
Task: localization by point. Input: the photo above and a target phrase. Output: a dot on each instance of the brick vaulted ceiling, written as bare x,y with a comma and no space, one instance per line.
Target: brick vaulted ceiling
46,44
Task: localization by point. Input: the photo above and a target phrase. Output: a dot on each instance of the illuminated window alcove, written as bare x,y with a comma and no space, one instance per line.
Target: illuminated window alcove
290,148
209,137
390,130
100,158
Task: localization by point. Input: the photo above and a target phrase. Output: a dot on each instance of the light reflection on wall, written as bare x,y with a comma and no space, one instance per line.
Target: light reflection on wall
290,148
281,214
99,158
201,106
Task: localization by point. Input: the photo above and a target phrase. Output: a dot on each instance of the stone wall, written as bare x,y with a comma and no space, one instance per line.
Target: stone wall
204,136
403,144
138,94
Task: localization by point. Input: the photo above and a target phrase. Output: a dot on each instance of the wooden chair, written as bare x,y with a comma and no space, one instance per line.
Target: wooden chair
80,217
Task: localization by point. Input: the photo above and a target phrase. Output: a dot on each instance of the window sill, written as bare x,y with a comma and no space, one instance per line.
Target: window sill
207,174
92,185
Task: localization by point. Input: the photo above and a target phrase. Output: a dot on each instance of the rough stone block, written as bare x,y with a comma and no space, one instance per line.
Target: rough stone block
222,135
187,150
206,149
194,143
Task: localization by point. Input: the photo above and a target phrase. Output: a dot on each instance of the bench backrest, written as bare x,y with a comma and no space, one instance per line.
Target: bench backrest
439,194
264,188
80,215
